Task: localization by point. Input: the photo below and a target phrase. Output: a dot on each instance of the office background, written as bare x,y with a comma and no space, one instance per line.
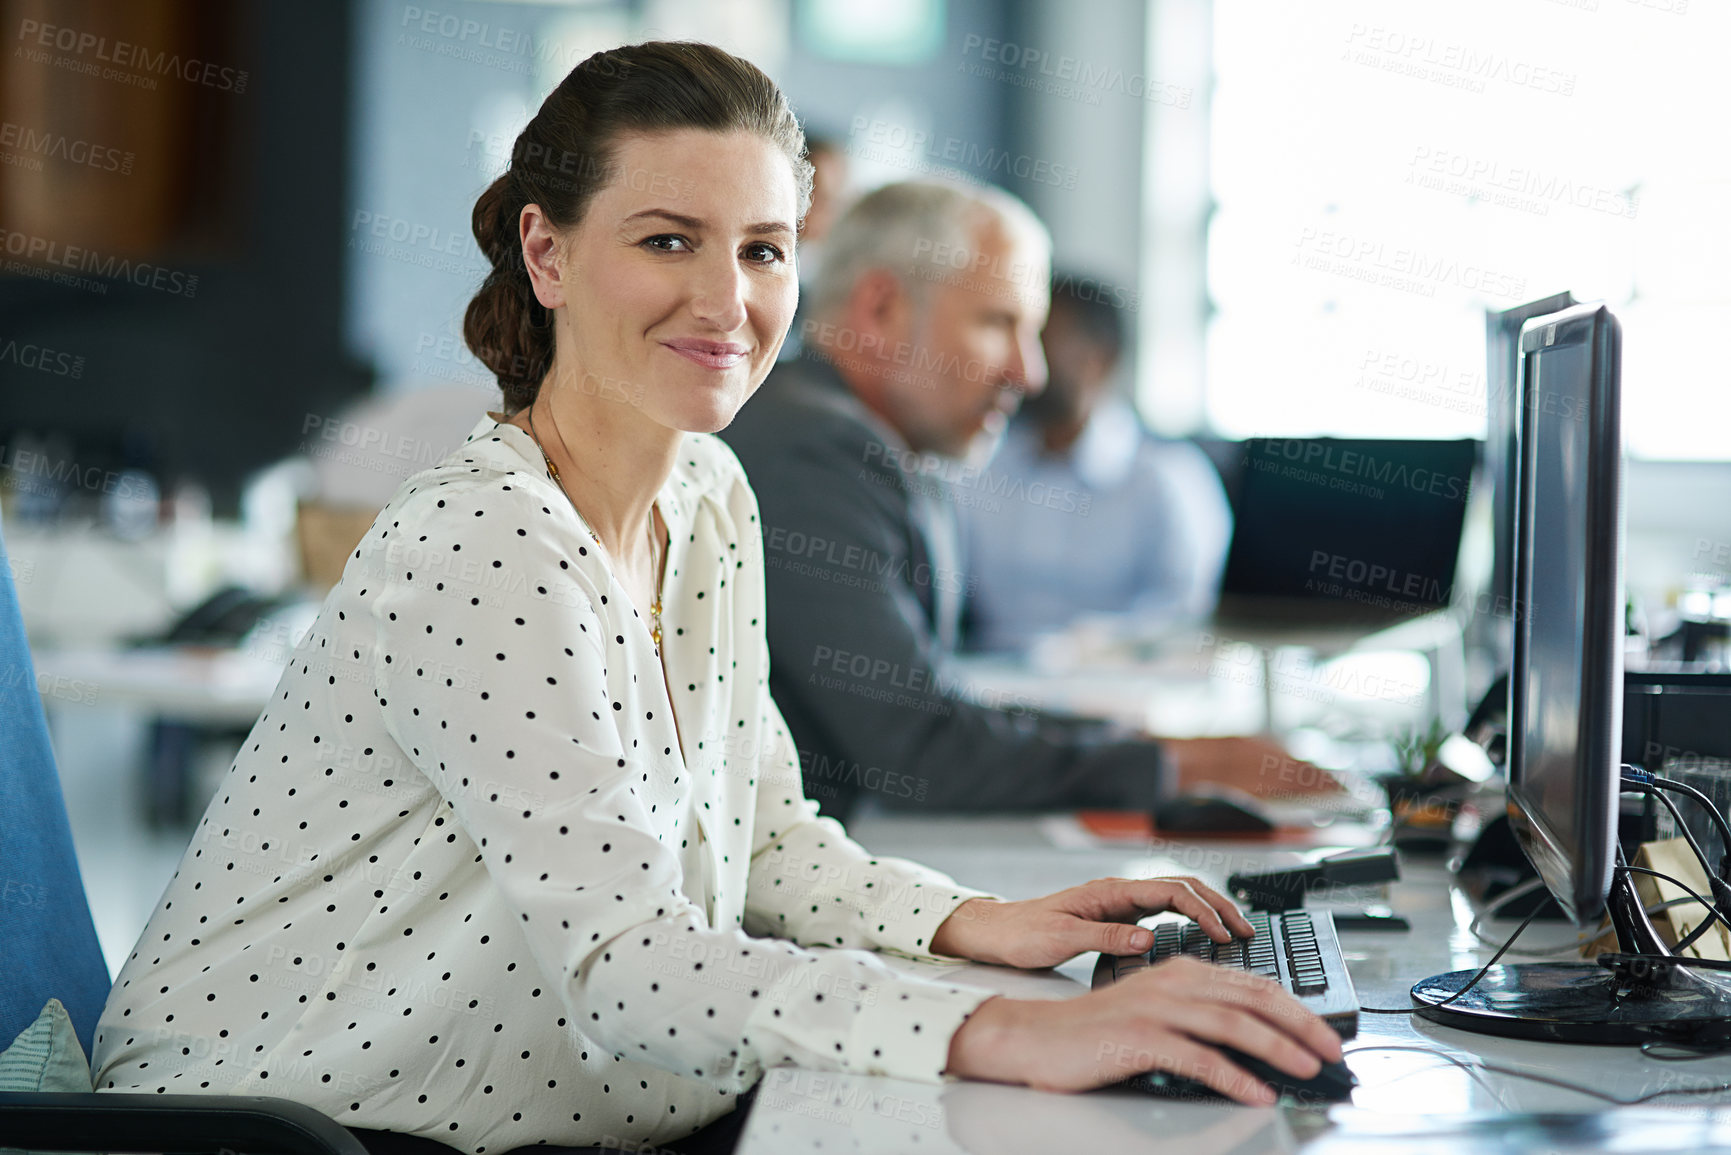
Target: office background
233,235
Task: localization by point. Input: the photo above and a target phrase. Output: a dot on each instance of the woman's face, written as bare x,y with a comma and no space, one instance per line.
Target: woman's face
675,289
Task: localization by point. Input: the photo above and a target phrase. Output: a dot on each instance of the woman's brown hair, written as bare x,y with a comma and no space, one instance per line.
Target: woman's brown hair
565,156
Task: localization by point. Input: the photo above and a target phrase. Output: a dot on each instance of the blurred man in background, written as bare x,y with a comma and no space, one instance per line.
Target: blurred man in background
922,337
1128,524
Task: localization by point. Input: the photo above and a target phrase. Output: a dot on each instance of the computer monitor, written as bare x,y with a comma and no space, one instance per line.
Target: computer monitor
1565,689
1565,711
1494,629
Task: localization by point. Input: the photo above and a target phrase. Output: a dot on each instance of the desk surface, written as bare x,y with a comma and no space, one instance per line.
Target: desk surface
1413,1098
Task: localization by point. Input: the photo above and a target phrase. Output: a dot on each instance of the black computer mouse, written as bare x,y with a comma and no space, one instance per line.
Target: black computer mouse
1212,810
1329,1085
1332,1084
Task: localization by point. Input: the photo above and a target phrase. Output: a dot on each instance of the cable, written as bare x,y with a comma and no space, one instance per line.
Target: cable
1680,1052
1650,785
1706,803
1470,984
1613,959
1689,939
1686,889
1473,1066
1521,890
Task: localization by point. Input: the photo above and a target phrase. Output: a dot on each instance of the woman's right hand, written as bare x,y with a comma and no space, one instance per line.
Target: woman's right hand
1170,1017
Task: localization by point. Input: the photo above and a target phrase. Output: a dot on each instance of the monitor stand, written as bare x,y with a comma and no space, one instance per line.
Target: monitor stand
1587,1003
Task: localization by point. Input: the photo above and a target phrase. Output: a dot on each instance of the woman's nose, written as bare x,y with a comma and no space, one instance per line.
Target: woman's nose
718,291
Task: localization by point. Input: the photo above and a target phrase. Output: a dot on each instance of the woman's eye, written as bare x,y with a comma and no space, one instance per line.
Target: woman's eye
668,243
764,253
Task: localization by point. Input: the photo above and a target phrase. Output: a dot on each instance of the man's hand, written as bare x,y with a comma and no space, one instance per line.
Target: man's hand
1253,765
1044,932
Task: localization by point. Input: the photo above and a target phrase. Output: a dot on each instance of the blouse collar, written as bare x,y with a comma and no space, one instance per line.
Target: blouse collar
520,452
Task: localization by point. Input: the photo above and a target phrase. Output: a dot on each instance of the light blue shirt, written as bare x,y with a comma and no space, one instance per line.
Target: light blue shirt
1123,523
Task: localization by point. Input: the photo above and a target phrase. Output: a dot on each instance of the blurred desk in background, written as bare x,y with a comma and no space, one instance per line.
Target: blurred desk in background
199,703
1328,681
1411,1095
194,685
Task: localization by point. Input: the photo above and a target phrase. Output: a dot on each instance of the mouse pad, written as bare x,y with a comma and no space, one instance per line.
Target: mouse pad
1135,826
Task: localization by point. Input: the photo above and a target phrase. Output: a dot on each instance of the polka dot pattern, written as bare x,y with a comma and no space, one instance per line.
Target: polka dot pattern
474,848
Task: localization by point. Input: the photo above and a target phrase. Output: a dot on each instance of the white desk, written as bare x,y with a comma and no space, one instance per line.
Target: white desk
1412,1100
207,687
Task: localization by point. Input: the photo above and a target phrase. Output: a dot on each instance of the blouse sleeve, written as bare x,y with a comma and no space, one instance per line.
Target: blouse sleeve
813,884
598,896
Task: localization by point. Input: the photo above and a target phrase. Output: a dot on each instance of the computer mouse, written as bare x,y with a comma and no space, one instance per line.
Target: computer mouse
1212,810
1332,1084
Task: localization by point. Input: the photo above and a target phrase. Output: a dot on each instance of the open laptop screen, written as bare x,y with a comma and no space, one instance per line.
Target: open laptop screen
1349,525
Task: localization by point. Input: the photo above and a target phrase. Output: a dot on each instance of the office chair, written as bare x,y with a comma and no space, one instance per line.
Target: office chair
48,949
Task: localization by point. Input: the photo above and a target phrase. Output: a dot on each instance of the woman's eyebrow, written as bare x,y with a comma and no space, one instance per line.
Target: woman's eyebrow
697,224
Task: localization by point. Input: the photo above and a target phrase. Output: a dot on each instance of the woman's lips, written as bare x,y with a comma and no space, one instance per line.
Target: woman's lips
709,354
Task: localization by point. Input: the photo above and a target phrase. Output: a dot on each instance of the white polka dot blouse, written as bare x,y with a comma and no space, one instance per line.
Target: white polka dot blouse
483,874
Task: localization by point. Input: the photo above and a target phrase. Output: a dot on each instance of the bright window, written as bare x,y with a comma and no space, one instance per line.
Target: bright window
1383,175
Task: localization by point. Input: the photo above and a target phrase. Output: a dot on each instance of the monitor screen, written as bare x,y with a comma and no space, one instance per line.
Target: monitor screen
1566,680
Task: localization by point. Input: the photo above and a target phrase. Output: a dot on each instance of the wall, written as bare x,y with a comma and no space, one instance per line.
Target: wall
216,382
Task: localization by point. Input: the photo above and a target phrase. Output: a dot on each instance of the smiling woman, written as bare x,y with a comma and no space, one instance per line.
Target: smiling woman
518,854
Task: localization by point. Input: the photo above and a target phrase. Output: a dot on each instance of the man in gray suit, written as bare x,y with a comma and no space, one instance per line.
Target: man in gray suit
922,336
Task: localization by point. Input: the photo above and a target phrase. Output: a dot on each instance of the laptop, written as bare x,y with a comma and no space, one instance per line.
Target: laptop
1345,532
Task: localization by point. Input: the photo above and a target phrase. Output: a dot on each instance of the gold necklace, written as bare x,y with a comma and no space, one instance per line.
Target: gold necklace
657,557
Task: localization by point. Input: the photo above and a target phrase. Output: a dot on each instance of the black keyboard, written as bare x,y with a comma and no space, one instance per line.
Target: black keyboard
1296,948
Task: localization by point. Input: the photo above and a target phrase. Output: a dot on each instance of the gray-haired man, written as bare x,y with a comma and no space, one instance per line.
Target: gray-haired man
921,339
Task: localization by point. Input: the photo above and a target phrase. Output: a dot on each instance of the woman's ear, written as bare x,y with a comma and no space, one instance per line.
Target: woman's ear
541,256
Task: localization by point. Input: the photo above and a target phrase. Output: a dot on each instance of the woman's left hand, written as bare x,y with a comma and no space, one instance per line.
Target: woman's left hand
1099,915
